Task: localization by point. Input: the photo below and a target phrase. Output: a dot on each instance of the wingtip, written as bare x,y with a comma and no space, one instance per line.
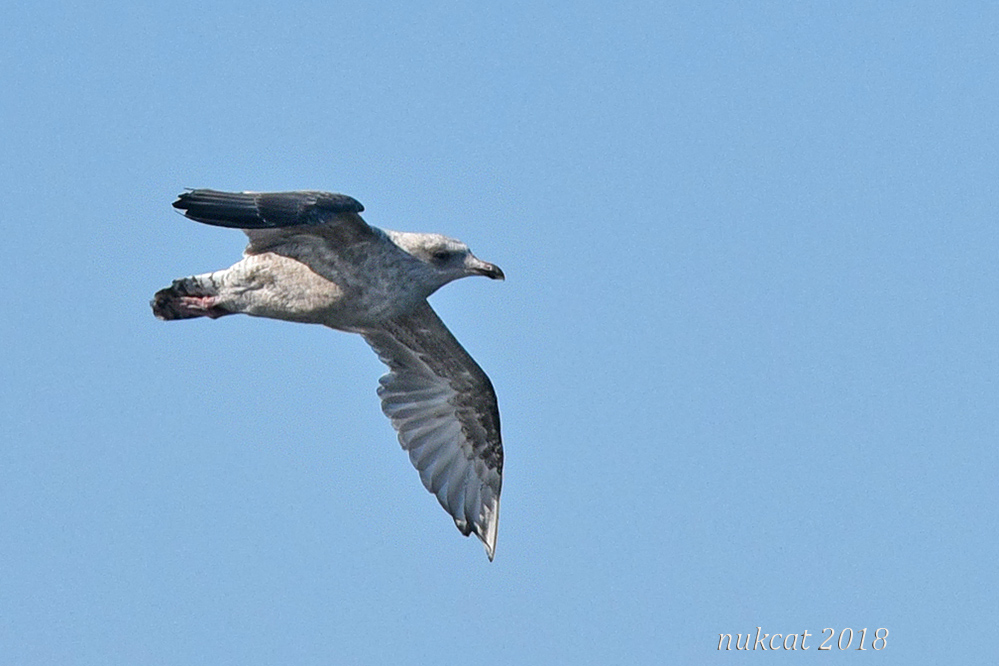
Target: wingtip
181,202
492,528
490,545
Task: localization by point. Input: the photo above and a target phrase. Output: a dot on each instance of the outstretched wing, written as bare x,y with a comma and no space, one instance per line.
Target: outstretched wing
444,408
264,210
289,223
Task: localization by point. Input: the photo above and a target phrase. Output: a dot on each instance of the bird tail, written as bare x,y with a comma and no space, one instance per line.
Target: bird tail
187,298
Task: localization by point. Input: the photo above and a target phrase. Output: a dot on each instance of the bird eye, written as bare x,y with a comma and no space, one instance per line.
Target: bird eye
441,256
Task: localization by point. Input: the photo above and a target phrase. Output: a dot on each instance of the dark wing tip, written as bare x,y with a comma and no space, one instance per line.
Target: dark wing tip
192,199
181,202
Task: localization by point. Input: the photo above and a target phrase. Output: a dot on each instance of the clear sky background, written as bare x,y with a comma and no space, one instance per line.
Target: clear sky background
745,353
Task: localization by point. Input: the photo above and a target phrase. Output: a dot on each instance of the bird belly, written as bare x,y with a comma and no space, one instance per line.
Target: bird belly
277,287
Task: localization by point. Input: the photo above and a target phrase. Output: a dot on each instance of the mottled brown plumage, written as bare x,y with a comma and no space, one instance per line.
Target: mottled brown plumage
312,259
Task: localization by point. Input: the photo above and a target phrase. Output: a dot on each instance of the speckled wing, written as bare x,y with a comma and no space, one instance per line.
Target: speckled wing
444,408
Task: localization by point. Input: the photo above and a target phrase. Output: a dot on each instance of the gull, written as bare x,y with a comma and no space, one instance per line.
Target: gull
312,259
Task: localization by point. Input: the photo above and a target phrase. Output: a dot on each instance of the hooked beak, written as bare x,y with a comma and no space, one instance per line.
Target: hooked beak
491,271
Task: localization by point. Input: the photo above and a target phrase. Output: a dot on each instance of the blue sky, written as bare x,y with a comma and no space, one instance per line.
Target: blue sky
745,353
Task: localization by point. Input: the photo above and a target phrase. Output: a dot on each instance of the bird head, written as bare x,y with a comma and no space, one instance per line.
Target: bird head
447,258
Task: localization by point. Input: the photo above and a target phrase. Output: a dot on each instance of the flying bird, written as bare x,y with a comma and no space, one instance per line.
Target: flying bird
312,259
